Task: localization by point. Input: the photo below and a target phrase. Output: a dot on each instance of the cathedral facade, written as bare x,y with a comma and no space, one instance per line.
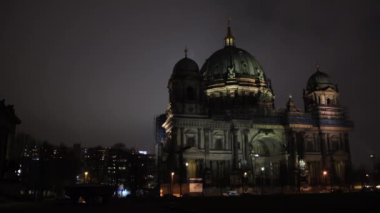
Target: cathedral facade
222,127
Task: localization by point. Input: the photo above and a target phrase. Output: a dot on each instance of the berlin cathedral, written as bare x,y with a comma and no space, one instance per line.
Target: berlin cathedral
221,128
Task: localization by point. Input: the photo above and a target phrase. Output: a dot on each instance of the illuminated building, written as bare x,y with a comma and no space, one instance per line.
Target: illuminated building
221,123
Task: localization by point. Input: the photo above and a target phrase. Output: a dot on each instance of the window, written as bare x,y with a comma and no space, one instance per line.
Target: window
190,141
190,93
334,141
322,100
177,93
219,144
309,146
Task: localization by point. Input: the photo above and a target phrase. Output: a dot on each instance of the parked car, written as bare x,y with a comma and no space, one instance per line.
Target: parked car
231,193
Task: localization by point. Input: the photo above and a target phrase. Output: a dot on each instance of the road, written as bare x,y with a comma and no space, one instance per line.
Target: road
363,202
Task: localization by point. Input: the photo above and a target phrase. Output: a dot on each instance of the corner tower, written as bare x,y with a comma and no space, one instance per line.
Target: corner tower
332,126
321,97
185,87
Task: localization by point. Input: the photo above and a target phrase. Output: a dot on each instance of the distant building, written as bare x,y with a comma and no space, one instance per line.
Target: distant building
120,166
8,122
221,126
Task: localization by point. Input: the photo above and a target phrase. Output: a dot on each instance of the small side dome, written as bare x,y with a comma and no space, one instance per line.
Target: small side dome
185,66
319,81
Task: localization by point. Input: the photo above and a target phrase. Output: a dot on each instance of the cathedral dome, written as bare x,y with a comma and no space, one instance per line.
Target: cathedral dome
185,66
232,65
319,80
228,59
234,81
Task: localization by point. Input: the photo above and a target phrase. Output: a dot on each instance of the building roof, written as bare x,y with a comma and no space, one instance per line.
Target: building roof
319,81
185,66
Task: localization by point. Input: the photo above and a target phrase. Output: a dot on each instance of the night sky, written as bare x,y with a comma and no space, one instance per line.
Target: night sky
95,72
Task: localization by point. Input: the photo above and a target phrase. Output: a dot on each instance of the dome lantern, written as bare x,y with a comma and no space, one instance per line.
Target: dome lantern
229,40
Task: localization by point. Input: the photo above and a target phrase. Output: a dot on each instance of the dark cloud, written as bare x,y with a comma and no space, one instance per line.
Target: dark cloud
96,71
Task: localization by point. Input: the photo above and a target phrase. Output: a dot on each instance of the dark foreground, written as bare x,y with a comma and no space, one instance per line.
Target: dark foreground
363,202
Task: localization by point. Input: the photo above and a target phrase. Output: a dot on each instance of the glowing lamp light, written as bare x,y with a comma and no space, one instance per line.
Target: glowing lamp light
187,164
85,176
262,169
142,152
324,173
125,193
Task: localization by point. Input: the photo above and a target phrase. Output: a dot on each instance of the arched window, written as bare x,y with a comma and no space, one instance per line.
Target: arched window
322,100
257,148
328,101
190,141
190,93
309,146
334,143
177,91
219,144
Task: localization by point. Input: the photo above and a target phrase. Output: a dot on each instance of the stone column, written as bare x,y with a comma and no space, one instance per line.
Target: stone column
181,138
200,141
172,146
206,142
246,146
225,145
235,148
206,139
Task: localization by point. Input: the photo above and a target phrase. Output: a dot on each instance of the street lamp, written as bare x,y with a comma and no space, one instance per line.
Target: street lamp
186,178
372,157
85,176
171,183
262,179
244,181
254,157
325,173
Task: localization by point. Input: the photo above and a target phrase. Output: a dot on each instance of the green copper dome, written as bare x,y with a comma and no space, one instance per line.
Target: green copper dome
233,60
319,80
185,67
232,64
